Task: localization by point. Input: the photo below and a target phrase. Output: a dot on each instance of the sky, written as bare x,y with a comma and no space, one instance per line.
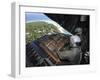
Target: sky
31,16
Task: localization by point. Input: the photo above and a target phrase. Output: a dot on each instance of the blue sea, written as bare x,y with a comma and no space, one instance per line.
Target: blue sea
33,16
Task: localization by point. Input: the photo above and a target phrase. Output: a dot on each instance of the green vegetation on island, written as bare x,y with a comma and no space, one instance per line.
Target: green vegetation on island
38,29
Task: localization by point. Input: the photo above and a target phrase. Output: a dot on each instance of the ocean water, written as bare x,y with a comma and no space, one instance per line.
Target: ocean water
33,16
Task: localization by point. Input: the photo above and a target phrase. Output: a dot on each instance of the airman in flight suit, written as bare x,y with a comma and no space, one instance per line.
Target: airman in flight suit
73,55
